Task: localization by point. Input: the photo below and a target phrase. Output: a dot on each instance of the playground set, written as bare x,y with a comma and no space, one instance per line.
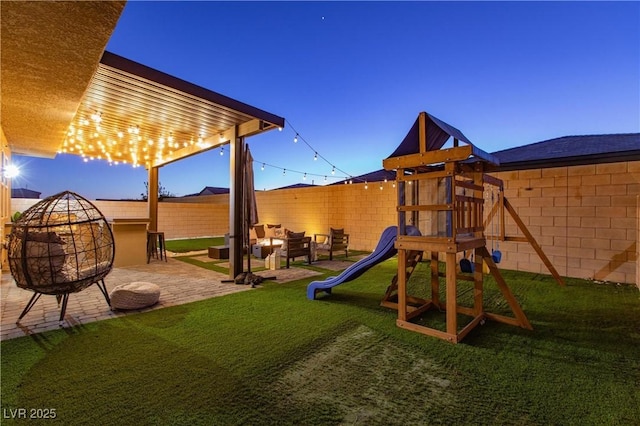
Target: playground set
441,193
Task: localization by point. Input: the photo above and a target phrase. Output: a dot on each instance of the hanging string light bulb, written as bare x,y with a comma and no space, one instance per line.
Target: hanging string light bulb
295,138
315,157
222,150
262,168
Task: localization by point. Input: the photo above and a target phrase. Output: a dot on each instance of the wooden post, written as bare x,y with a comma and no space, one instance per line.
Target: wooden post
532,241
402,285
152,198
521,318
402,215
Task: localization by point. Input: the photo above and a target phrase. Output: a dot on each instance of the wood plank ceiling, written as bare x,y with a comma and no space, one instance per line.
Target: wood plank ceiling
137,115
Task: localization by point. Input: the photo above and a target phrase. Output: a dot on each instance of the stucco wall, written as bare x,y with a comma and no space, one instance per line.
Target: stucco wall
584,217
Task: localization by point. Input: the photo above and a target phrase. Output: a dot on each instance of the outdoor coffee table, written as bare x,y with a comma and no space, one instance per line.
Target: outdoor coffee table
261,251
219,252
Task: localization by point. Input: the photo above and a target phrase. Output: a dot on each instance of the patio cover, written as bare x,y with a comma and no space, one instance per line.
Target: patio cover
61,92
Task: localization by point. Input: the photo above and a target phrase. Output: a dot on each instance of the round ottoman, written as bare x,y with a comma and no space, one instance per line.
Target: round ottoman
135,295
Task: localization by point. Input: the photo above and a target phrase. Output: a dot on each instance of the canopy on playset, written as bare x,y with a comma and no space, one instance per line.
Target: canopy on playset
435,133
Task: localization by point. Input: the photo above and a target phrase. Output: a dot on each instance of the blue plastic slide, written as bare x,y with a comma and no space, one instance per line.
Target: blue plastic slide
383,251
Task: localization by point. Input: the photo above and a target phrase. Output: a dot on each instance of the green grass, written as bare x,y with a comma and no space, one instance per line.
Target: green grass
193,244
270,356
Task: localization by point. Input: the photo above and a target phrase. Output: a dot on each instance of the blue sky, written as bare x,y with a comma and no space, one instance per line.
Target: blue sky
351,78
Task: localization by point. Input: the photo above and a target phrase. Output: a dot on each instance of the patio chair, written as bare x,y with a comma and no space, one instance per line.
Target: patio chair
297,245
336,240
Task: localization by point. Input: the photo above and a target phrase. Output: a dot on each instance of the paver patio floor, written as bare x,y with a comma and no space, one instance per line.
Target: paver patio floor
179,283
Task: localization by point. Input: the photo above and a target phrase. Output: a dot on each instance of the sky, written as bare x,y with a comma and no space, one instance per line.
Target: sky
350,78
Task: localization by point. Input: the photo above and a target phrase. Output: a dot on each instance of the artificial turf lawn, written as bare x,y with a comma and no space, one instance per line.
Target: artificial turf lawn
193,244
270,356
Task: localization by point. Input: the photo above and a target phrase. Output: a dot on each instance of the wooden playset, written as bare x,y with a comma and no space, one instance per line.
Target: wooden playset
442,191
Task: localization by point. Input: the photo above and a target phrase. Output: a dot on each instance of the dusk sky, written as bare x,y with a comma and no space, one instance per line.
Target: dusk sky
351,78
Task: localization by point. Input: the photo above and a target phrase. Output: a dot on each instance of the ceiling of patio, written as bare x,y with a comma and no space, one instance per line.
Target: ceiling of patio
61,92
138,115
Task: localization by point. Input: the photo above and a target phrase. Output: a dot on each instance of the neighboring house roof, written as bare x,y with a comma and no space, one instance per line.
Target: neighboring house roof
571,151
213,190
376,176
297,185
24,193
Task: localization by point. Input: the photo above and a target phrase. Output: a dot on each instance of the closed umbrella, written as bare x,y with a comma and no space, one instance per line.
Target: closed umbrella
250,210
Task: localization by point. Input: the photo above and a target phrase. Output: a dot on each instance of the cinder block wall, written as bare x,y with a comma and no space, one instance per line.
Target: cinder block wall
363,213
176,220
586,218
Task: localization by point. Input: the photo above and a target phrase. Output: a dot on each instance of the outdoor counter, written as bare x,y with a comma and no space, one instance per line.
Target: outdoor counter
130,238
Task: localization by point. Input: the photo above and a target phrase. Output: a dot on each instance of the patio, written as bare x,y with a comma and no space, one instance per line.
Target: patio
179,282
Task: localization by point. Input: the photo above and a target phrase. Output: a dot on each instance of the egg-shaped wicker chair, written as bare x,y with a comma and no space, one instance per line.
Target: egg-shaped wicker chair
61,245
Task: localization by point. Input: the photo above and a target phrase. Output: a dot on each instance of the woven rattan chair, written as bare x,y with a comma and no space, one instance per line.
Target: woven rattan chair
61,245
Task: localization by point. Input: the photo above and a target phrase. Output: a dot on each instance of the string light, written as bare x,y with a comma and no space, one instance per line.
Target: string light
304,177
316,155
222,150
289,171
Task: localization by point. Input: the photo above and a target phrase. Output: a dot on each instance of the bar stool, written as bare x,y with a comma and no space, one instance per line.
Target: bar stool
156,245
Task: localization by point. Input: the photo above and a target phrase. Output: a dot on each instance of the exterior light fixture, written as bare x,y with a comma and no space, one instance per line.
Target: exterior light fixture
10,171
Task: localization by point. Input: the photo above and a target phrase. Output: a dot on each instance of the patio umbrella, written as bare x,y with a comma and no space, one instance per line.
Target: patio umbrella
249,201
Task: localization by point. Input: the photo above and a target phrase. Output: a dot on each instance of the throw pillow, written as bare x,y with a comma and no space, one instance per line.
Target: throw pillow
291,234
259,231
271,230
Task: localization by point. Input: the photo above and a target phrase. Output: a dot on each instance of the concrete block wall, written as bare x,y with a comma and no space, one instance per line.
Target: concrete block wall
583,217
586,218
176,220
362,212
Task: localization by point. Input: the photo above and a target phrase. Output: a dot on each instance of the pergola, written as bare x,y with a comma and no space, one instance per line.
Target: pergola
62,92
